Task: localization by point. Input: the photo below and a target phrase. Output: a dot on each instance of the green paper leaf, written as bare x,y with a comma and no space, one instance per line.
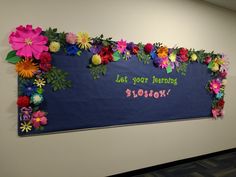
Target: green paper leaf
96,71
58,79
169,69
79,52
210,65
12,58
116,56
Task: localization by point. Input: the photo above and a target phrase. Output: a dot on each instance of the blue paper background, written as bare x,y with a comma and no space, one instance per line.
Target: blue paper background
99,103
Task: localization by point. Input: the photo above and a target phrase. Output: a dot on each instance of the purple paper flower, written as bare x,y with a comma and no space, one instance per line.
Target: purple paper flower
130,46
26,113
96,49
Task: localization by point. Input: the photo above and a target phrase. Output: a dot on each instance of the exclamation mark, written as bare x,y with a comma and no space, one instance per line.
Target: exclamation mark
168,92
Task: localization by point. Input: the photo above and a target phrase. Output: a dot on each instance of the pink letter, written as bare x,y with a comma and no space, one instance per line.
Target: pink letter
128,92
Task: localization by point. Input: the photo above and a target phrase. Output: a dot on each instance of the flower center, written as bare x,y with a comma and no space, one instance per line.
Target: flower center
38,119
28,41
83,40
215,86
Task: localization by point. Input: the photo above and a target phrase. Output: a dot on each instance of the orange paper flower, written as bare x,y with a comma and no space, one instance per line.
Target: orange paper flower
162,52
26,68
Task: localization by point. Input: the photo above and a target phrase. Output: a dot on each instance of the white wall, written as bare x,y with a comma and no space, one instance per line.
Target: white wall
109,151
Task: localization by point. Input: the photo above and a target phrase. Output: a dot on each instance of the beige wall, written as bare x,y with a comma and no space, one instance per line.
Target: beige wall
108,151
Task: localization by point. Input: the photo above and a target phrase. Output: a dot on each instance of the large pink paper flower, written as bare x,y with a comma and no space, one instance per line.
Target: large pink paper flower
121,45
38,119
215,86
28,42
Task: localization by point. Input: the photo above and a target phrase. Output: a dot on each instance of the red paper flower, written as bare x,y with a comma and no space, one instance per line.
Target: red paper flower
183,58
183,53
148,48
106,55
23,101
45,61
220,103
207,60
135,50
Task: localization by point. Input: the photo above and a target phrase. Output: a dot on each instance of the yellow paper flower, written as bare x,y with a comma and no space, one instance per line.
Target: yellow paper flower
40,82
162,52
193,57
215,67
172,57
26,68
83,40
26,127
219,61
96,59
54,46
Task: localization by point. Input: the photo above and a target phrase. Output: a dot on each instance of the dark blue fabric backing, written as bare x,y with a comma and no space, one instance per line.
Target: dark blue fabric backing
99,103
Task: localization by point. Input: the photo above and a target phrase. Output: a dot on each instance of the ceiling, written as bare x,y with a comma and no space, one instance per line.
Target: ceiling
229,4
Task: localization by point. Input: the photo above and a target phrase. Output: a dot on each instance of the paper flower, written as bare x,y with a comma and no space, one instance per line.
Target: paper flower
207,60
95,48
26,68
224,64
36,98
71,38
54,46
215,112
45,57
28,42
23,101
148,48
45,61
39,118
220,104
219,95
121,45
223,74
40,82
26,113
183,54
215,86
130,46
193,57
96,59
183,51
215,67
135,50
164,62
153,55
127,54
83,40
106,55
28,89
172,57
162,52
25,127
72,49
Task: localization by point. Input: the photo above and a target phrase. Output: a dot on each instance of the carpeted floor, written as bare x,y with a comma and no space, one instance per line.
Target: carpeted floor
217,166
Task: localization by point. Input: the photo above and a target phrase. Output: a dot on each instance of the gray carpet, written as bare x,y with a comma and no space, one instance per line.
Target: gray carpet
217,166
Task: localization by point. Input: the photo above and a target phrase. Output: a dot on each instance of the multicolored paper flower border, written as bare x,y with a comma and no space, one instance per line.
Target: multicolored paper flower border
32,49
